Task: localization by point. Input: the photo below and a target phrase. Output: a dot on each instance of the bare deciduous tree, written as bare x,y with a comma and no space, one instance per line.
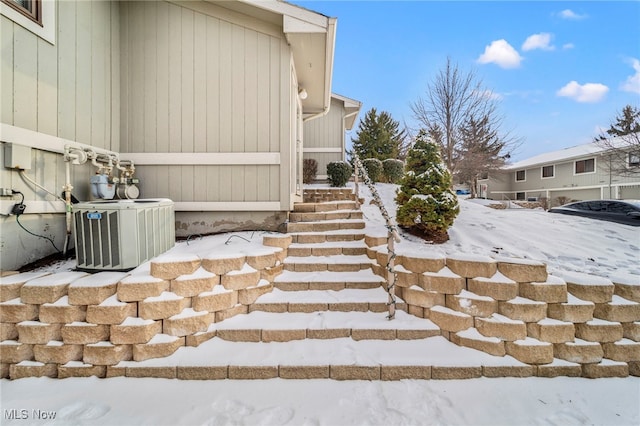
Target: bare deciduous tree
622,143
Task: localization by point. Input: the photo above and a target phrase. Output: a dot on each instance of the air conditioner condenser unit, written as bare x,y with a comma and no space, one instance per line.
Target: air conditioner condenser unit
122,234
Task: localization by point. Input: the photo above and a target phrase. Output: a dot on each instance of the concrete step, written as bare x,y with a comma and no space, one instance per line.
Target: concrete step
326,225
327,236
331,215
346,300
324,206
336,263
283,327
330,248
327,280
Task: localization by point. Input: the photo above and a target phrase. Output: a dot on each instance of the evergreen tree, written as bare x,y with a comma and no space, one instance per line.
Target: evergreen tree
379,136
622,143
426,204
627,123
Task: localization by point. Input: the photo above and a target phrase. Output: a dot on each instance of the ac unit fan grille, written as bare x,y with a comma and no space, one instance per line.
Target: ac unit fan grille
98,239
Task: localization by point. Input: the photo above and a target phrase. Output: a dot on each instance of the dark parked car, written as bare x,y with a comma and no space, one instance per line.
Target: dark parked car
626,212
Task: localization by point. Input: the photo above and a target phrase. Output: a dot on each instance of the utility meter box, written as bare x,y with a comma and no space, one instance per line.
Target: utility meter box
119,235
17,156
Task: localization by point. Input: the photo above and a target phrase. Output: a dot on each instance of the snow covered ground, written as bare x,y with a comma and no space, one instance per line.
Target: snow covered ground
565,243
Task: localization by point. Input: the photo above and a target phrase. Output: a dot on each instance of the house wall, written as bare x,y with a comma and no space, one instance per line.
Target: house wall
324,137
198,78
51,94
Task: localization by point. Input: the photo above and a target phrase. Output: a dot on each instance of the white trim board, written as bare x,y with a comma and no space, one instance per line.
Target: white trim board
226,206
33,207
202,158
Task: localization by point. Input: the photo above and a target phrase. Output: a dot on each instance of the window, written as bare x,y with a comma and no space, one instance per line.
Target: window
521,175
520,196
548,171
585,166
32,9
634,159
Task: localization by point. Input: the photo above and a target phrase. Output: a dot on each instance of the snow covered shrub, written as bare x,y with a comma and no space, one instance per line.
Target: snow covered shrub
426,204
309,170
374,169
339,173
393,170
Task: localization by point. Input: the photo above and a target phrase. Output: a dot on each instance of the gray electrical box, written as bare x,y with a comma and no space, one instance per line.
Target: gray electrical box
17,156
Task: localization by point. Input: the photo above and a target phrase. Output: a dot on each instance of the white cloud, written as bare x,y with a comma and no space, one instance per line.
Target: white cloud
540,41
568,46
588,92
632,83
571,15
490,94
501,53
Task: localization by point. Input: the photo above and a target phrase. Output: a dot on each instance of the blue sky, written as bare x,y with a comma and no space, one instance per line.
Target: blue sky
561,70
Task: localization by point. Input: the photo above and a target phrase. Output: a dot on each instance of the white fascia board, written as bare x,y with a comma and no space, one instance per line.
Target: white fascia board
288,9
202,158
226,206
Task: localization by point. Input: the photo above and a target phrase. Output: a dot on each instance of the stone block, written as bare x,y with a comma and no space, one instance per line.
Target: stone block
588,287
94,289
634,368
187,322
79,369
627,286
252,372
574,310
354,372
32,369
522,270
508,370
113,371
349,307
12,352
56,352
496,287
111,311
61,312
450,320
14,311
266,259
164,306
242,335
419,297
4,370
471,266
455,372
552,331
471,338
191,285
219,299
249,295
164,372
48,288
308,307
277,240
331,333
523,309
501,327
105,353
199,338
283,335
472,304
269,307
270,274
598,330
8,331
134,330
405,278
605,369
375,241
202,372
619,309
419,264
304,372
557,369
221,264
623,350
10,285
443,281
171,265
405,372
231,312
553,290
530,351
631,330
579,351
38,333
138,287
83,333
373,334
159,346
240,279
418,311
416,334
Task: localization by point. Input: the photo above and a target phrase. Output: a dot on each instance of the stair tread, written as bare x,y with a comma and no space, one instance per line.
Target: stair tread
373,295
331,244
332,259
431,351
364,275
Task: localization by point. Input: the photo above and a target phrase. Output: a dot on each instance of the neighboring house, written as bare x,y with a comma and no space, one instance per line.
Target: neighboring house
325,137
206,98
581,172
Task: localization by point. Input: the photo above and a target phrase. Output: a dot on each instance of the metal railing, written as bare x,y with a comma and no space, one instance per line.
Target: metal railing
392,232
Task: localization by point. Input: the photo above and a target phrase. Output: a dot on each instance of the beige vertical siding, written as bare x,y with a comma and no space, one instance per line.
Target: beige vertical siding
326,131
